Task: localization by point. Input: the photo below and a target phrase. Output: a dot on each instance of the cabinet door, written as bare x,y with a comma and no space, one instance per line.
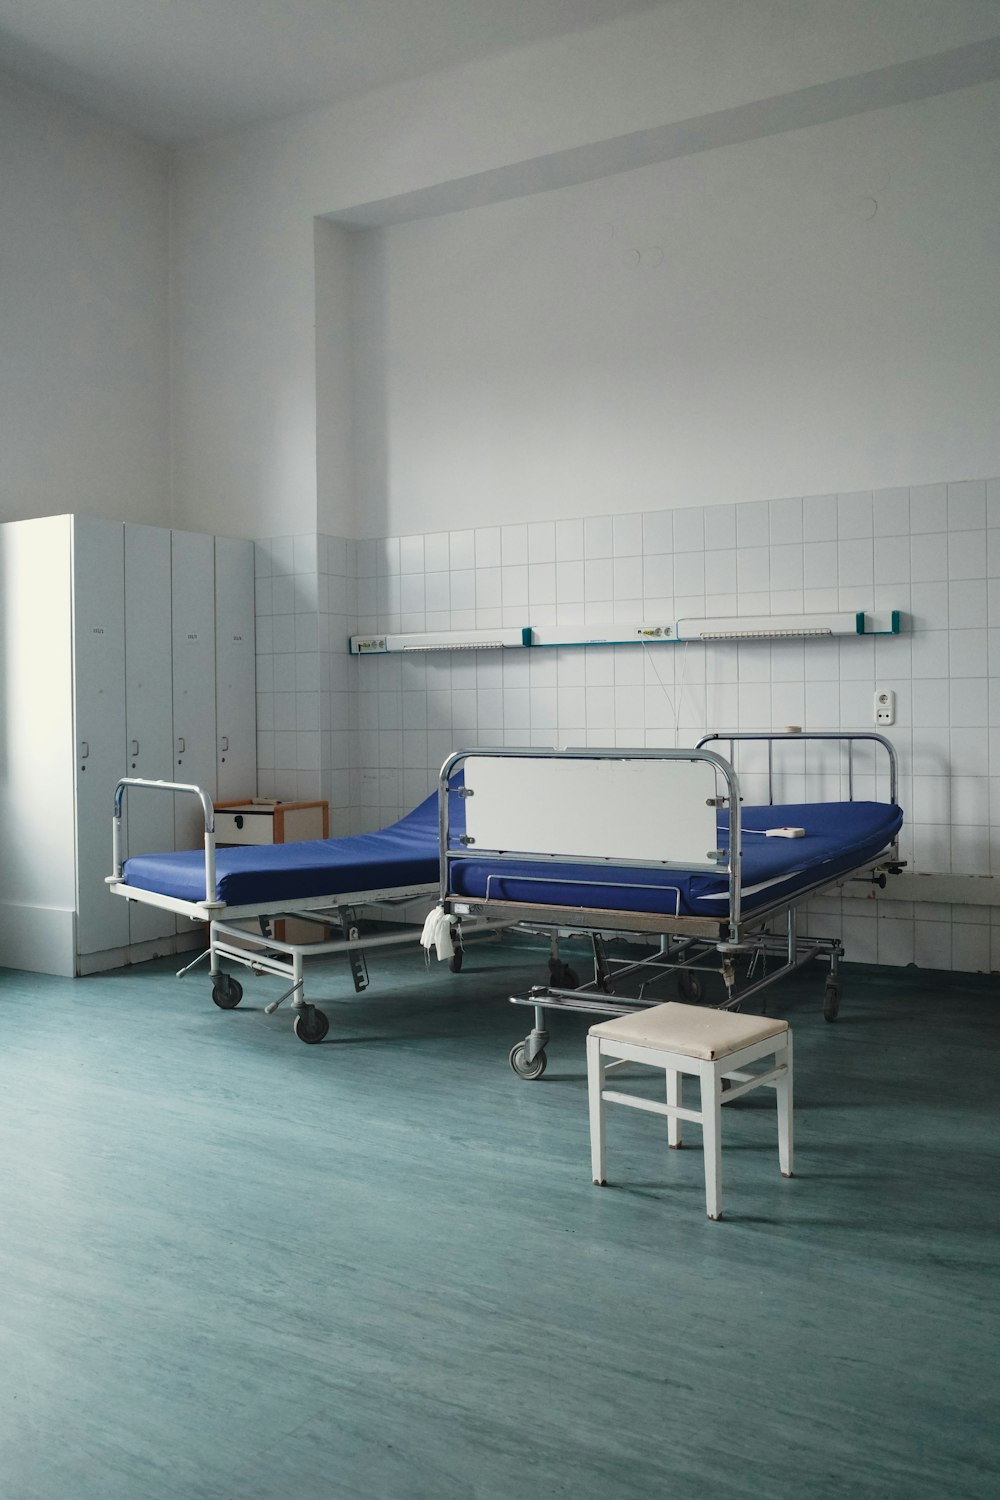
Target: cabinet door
236,684
148,708
193,634
37,751
99,717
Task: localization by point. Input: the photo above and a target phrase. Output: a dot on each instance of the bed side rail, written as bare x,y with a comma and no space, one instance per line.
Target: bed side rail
662,819
208,813
772,737
849,738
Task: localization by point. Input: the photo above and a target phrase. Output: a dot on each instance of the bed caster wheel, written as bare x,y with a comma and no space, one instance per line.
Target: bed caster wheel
831,1000
455,961
311,1025
524,1068
689,986
562,977
227,992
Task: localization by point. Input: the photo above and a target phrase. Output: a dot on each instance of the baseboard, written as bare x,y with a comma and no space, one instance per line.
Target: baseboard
41,939
138,953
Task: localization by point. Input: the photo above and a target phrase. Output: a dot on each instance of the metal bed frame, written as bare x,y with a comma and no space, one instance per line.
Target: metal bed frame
260,951
688,948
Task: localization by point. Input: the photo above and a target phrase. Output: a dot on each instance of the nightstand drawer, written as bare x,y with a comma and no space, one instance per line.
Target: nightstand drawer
263,821
244,825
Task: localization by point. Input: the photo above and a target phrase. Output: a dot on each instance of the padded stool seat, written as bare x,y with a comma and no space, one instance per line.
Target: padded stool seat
717,1047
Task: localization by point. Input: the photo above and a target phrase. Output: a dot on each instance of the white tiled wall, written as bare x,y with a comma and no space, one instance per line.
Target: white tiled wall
371,733
306,593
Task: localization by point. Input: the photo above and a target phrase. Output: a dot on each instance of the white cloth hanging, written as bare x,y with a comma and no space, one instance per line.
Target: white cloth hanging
437,933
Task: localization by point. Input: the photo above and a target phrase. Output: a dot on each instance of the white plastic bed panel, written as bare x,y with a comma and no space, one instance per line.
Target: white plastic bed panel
621,810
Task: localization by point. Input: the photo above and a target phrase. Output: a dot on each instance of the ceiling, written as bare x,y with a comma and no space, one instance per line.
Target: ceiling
178,71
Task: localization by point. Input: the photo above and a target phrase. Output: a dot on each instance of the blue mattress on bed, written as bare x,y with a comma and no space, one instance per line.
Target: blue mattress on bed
404,854
839,836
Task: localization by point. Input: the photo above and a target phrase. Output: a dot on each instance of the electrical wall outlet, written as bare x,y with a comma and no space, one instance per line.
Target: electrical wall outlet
885,706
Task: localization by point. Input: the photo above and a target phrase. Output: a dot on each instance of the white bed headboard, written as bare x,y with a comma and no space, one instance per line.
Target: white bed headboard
658,811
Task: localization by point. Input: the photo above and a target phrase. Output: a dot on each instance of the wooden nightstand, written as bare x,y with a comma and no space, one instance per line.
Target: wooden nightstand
265,820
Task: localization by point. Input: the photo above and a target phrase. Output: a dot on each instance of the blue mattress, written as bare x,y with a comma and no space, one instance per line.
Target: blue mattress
839,837
402,855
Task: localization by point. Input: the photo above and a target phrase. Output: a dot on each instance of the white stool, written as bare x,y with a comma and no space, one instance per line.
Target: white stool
710,1044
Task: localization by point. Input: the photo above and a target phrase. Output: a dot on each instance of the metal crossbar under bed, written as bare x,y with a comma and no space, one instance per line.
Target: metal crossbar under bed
742,951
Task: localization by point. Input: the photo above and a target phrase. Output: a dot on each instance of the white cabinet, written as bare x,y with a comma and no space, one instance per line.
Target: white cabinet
192,588
149,715
235,669
99,718
108,668
37,756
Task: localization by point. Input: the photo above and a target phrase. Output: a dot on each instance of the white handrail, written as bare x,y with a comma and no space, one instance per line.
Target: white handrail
208,811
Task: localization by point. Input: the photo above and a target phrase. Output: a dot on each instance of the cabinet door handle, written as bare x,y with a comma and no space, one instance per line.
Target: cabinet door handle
135,747
84,749
224,744
180,747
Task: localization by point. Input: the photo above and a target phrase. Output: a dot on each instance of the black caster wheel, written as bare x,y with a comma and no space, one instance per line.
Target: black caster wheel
455,961
689,986
227,992
311,1025
562,977
522,1067
831,1000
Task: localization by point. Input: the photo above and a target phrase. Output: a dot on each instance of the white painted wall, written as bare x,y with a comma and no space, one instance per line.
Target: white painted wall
84,331
245,260
816,311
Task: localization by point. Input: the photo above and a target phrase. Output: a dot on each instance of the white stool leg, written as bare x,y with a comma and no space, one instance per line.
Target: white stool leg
595,1092
673,1101
711,1127
784,1095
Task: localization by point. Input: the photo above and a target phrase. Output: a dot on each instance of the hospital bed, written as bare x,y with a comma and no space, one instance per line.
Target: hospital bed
659,845
242,892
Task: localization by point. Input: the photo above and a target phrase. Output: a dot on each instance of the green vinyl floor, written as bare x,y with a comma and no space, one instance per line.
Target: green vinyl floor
234,1267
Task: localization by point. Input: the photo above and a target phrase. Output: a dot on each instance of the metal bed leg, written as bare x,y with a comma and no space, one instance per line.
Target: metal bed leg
528,1058
602,976
227,992
458,945
831,994
561,976
309,1024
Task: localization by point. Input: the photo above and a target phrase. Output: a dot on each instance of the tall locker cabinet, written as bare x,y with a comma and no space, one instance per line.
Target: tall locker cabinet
148,708
37,753
235,669
62,688
99,717
192,588
108,668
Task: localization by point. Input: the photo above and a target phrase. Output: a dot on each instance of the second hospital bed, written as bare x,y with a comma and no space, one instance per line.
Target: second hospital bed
659,845
240,892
